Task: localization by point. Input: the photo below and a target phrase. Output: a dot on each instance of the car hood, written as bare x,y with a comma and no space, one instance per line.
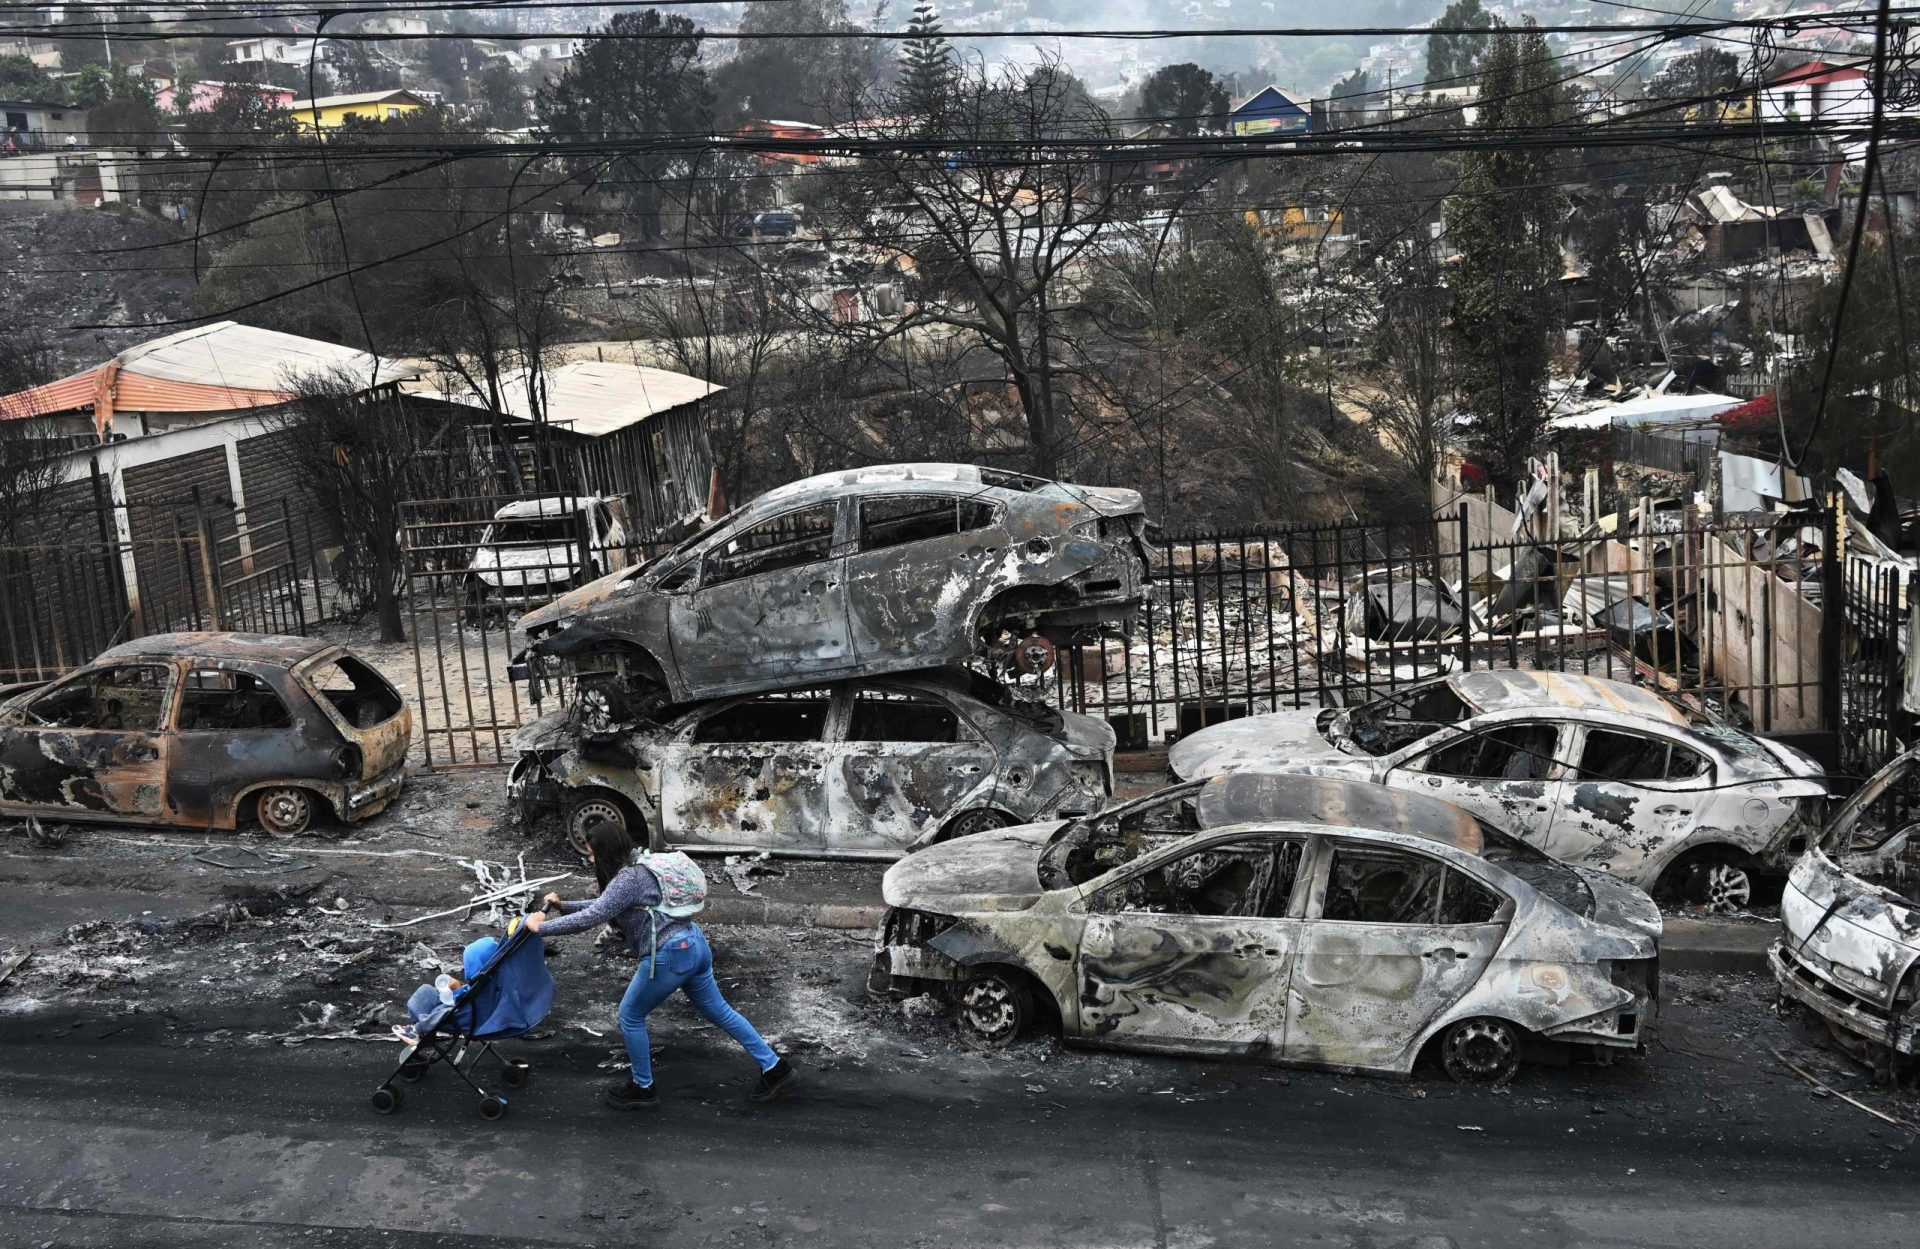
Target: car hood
577,602
523,563
1105,500
1282,741
1862,935
996,871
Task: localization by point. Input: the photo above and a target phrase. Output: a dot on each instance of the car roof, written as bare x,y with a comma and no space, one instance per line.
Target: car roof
254,647
1566,691
550,505
1256,797
880,476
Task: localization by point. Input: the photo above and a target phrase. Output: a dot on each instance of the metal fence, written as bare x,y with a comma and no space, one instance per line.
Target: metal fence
1727,618
1872,669
76,581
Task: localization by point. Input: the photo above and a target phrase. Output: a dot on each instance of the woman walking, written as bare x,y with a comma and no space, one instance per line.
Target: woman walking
673,955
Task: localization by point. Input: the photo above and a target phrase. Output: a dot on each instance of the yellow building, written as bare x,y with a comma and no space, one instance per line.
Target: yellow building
330,112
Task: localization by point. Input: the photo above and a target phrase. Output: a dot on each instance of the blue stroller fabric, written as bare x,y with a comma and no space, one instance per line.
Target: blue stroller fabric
509,994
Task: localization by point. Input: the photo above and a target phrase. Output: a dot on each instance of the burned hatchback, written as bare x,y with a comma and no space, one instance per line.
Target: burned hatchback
207,730
854,769
868,571
1295,919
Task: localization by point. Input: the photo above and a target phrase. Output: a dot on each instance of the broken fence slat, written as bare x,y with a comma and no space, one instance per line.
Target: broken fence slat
496,895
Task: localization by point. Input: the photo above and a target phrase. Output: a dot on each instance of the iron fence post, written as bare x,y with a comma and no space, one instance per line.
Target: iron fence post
1833,613
1466,583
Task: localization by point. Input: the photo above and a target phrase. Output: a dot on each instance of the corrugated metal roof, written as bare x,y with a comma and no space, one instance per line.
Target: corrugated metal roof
364,97
590,397
213,368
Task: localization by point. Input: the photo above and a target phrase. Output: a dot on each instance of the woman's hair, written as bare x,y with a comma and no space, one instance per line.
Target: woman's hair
612,848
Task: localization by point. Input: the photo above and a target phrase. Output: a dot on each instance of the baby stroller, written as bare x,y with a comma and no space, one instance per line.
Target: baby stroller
506,997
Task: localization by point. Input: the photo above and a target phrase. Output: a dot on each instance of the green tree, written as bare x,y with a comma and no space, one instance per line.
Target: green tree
1706,72
21,79
1185,97
497,96
121,111
1455,57
1504,223
926,64
627,90
794,78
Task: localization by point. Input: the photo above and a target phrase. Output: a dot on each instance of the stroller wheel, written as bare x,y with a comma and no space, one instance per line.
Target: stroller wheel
386,1099
492,1107
516,1073
413,1069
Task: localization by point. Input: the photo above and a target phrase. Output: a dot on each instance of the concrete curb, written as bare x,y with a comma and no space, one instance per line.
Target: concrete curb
1689,945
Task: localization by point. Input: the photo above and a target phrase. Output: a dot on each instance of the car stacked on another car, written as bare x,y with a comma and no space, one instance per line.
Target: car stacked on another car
829,599
1304,920
1593,772
208,730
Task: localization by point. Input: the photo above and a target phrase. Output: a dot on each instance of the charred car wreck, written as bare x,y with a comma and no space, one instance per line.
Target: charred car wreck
1849,948
1298,920
207,730
868,572
1593,772
855,769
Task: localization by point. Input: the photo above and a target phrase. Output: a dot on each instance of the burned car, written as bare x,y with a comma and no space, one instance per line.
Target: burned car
1593,772
855,769
1849,948
537,549
1294,919
208,730
868,571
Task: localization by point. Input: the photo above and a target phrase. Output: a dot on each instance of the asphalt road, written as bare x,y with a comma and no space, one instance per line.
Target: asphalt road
134,1130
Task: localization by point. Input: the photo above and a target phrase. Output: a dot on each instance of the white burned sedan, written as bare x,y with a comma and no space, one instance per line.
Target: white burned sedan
1592,772
1299,920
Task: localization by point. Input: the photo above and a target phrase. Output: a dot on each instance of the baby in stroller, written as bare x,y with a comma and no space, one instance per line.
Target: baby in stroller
507,991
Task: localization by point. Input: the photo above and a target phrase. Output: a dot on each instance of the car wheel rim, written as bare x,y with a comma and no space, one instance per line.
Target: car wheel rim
976,822
586,815
1481,1052
285,812
1727,888
990,1010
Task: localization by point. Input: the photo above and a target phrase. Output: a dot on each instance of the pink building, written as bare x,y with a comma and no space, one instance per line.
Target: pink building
202,96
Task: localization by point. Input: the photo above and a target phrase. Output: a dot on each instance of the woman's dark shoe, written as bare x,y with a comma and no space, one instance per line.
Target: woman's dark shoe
630,1096
775,1082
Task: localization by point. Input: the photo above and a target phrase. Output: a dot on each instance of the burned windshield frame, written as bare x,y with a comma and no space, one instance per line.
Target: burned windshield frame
1365,725
1905,768
1077,836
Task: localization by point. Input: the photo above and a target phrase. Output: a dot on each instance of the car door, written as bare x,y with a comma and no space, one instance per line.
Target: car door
917,566
770,603
96,743
904,761
1503,773
1392,939
749,775
1630,796
233,730
1192,949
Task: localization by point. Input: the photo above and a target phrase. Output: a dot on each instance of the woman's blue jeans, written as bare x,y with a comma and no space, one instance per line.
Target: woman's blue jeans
682,962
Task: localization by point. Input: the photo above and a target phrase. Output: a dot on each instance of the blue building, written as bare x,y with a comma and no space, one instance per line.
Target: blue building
1270,111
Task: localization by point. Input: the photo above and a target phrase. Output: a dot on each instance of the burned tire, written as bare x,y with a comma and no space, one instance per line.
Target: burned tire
978,820
1719,879
284,810
599,807
1481,1051
996,1007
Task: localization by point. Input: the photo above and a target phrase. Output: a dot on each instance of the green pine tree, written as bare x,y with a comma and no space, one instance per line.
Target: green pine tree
926,64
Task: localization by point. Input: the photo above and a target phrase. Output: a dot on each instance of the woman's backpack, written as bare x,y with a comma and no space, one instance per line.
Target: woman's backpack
683,886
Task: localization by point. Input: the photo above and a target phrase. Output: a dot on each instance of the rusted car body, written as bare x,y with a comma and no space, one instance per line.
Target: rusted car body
206,730
869,571
855,769
1850,946
1597,773
1293,919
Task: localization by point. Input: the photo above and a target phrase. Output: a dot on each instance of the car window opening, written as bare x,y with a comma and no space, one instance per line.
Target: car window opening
1095,846
214,700
541,531
1879,815
1391,887
775,718
361,695
1252,880
786,541
895,520
1615,756
885,716
1387,724
1512,752
128,697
